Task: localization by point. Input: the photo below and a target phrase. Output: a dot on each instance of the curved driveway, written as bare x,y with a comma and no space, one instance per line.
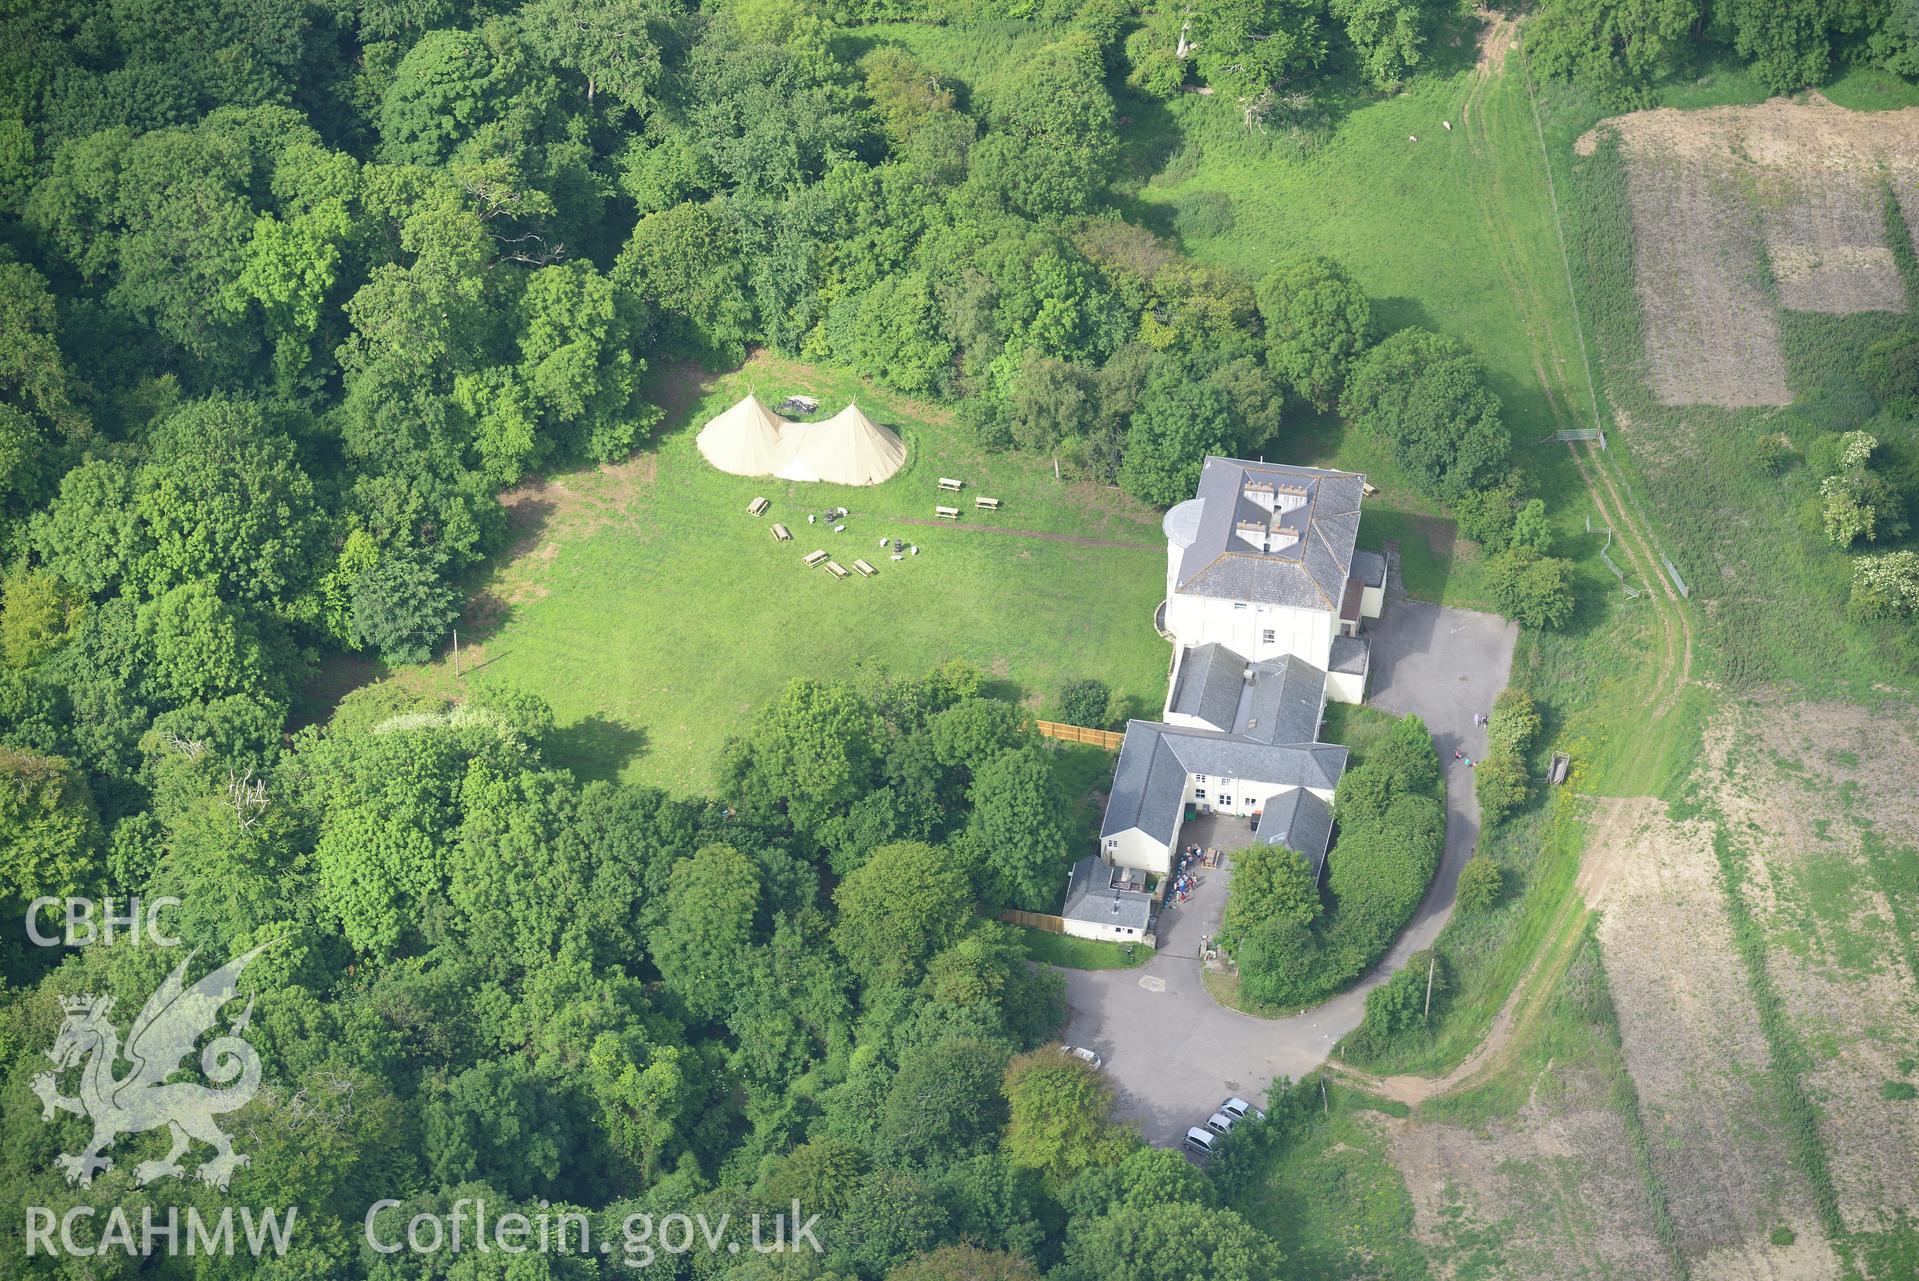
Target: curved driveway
1172,1053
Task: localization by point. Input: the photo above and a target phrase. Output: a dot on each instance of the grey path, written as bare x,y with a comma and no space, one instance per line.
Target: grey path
1173,1053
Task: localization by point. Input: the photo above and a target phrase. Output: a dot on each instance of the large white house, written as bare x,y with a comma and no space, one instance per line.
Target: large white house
1265,595
1261,560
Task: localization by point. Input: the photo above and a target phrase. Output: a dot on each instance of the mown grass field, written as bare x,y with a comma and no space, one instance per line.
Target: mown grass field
1081,954
657,616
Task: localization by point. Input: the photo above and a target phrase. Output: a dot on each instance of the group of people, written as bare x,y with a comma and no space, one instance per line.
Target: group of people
1184,882
1479,719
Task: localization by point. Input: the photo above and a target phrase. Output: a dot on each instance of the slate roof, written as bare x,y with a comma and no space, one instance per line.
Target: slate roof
1277,700
1283,702
1299,821
1210,677
1309,573
1350,655
1275,722
1090,897
1149,786
1370,568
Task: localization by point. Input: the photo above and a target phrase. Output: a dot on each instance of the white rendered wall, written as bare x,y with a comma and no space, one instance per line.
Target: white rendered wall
1134,848
1105,933
1241,626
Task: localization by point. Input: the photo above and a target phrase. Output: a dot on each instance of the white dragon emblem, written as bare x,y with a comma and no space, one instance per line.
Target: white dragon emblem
169,1026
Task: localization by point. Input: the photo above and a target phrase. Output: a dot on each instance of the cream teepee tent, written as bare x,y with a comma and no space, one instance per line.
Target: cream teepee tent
847,449
746,440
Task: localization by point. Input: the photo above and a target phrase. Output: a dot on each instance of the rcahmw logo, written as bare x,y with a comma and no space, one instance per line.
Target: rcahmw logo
158,1232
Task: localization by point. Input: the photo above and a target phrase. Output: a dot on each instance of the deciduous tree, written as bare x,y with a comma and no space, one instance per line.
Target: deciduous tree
1317,323
701,946
1059,1121
907,902
1425,397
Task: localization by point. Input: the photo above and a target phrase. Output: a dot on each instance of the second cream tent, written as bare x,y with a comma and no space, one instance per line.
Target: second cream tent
847,449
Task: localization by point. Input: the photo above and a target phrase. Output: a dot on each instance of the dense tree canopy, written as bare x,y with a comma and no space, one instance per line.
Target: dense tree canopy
1425,397
1317,322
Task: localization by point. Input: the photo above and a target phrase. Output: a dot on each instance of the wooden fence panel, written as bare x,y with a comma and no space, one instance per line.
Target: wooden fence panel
1038,920
1106,738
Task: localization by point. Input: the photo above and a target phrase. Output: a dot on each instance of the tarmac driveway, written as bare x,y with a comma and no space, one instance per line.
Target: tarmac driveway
1171,1052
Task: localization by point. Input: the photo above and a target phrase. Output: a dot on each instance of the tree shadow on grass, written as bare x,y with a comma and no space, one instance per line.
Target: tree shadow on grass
1398,312
595,748
336,676
1452,45
1003,689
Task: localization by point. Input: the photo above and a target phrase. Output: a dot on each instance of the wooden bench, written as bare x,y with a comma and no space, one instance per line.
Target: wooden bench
781,534
813,558
1367,488
757,507
865,568
836,569
950,485
946,513
986,504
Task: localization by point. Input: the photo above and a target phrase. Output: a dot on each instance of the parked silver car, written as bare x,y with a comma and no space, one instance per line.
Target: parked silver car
1202,1141
1219,1123
1239,1109
1081,1052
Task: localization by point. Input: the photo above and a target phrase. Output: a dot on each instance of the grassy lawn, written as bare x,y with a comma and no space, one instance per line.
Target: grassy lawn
657,616
1355,725
1333,1198
1071,953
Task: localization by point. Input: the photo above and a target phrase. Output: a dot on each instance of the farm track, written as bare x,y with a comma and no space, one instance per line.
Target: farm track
1607,493
1553,367
1522,1011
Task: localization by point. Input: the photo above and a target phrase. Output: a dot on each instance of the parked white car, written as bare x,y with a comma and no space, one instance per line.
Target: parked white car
1239,1109
1202,1141
1219,1123
1081,1052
